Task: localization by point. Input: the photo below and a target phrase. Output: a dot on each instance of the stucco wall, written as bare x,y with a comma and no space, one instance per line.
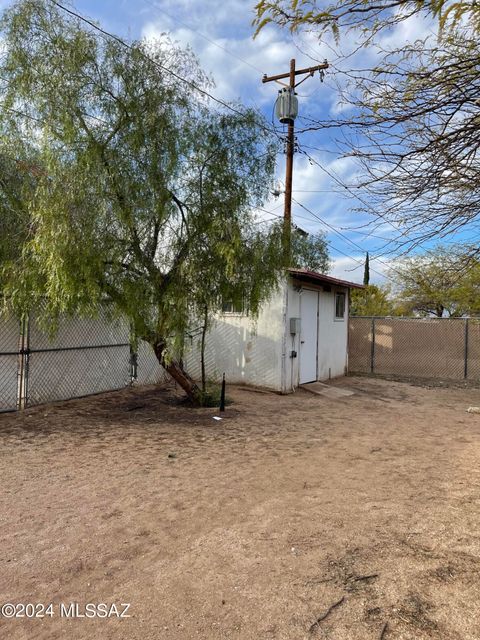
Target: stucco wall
293,342
259,353
248,351
332,337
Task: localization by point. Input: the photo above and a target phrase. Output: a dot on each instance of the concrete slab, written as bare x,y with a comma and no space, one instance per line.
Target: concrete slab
321,389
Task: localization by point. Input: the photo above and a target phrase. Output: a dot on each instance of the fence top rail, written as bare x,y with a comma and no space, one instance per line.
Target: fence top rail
417,319
79,348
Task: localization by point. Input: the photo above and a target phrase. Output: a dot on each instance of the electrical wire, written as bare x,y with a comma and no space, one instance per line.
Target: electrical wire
339,233
202,35
201,91
347,188
413,242
178,77
374,212
360,263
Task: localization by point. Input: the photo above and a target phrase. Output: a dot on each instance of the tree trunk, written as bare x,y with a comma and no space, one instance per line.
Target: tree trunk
202,350
174,369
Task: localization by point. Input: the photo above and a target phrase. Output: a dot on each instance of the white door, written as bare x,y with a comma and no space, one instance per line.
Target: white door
308,336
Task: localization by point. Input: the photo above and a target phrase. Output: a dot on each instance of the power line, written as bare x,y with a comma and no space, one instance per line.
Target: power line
154,62
373,211
202,35
347,188
333,247
154,5
312,191
327,224
190,83
373,257
332,228
296,215
339,233
365,204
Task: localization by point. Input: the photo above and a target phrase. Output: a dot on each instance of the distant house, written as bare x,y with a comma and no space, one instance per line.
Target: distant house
300,336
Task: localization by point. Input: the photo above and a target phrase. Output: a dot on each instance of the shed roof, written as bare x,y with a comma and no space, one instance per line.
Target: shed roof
319,278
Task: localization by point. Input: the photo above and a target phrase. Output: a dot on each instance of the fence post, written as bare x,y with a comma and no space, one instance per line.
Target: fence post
465,370
20,363
133,364
372,361
27,362
22,388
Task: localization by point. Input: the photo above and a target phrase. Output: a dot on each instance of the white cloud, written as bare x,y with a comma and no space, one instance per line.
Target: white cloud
224,45
236,63
226,49
207,13
414,28
347,268
351,269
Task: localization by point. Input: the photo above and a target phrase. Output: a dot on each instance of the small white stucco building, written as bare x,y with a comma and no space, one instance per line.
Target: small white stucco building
300,336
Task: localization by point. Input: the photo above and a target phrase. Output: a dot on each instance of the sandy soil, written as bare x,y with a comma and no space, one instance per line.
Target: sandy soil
251,527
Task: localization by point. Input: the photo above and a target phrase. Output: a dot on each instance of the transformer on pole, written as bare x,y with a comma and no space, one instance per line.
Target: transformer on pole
286,106
286,110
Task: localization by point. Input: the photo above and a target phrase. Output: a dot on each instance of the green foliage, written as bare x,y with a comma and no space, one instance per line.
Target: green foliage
371,301
212,394
19,173
365,16
310,252
366,271
443,283
145,194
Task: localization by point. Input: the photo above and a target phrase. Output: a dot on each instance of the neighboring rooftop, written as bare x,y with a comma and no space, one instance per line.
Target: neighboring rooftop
305,275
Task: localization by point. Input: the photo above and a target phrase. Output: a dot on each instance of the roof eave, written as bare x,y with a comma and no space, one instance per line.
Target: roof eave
320,278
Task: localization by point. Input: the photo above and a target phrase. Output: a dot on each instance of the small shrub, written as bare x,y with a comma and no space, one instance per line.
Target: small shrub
211,396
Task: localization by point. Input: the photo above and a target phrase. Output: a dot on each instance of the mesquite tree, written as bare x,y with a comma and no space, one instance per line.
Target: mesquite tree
143,194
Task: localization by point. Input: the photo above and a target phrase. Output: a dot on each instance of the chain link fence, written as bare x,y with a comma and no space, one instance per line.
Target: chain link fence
10,348
447,348
86,356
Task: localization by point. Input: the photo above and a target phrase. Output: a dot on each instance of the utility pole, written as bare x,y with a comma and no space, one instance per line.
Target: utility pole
287,115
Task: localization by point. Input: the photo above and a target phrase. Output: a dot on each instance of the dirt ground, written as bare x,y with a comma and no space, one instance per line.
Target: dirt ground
252,527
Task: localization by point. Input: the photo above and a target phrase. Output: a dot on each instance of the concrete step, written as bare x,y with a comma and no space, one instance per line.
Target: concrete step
322,389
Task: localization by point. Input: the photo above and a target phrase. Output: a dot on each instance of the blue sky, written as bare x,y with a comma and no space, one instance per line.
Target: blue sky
220,33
